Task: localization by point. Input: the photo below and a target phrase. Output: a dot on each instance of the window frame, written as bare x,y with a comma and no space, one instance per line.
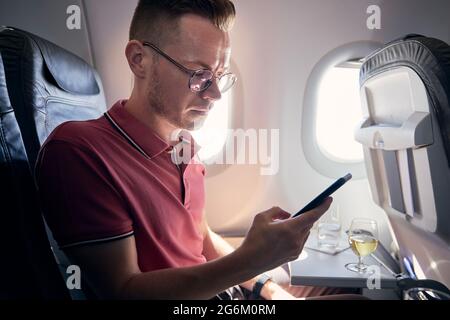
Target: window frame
322,163
235,120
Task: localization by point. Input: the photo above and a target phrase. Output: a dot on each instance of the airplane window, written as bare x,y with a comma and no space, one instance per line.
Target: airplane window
213,134
331,111
339,112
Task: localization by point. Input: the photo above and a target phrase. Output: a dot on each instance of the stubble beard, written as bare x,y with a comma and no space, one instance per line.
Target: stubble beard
156,98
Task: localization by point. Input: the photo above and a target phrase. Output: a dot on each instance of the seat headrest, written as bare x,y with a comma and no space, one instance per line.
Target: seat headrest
47,85
430,59
70,73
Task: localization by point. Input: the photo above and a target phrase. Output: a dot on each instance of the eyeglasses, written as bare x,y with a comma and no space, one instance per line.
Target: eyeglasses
201,79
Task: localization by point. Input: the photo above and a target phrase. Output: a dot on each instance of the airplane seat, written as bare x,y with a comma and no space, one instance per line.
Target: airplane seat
405,133
26,272
41,86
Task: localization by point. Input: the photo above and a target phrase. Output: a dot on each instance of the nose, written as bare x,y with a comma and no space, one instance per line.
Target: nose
212,93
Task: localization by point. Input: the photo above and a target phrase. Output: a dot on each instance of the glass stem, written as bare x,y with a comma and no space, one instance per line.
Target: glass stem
360,263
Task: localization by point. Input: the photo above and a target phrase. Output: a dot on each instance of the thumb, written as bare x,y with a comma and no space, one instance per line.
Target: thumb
274,213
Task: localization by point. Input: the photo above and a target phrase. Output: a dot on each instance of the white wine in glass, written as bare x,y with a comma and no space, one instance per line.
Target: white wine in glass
363,239
363,245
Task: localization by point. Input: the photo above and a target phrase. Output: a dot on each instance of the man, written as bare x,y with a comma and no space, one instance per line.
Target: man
117,203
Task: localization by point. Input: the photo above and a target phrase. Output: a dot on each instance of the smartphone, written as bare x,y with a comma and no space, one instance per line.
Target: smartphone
321,197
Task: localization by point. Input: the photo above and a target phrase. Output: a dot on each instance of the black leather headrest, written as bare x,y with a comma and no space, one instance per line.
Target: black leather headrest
47,85
70,73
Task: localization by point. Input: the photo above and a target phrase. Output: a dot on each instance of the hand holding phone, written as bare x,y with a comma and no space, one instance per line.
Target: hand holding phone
325,194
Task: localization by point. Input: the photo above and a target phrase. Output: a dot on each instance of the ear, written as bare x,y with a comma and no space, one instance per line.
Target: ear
135,54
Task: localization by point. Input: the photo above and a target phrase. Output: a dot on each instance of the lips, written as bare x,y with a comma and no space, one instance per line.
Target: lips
202,110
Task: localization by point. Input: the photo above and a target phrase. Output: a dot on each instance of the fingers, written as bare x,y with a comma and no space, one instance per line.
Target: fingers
273,213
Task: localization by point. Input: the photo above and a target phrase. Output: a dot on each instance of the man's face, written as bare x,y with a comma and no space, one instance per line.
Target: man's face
199,45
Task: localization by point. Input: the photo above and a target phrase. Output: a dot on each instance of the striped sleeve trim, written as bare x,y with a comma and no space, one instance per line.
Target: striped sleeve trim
95,241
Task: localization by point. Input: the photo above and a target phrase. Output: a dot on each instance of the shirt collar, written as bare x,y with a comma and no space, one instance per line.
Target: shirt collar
144,136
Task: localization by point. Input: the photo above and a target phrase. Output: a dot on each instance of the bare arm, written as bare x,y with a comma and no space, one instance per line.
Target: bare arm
111,269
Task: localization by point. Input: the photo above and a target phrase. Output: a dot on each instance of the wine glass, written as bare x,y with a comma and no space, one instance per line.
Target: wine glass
363,239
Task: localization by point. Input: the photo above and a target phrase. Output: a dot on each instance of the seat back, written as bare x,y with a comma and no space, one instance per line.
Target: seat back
405,95
41,86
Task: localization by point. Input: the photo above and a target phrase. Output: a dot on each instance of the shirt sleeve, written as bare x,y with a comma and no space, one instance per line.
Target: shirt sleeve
80,201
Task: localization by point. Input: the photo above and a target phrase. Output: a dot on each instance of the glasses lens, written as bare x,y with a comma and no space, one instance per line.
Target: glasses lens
226,82
201,80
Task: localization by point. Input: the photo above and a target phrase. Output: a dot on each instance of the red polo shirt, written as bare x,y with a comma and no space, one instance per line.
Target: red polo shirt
95,186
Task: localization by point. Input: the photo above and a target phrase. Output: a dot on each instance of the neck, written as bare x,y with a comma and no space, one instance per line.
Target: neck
138,109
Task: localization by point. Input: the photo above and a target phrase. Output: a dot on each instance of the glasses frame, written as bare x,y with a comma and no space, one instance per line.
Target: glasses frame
191,72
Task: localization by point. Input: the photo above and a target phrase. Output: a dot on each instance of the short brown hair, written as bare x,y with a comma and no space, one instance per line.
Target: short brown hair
155,19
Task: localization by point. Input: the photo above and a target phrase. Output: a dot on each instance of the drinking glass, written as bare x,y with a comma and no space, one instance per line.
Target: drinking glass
329,229
363,239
